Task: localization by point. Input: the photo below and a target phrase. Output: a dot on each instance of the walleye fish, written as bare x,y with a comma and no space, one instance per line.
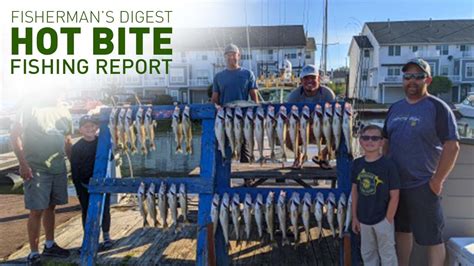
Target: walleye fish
130,131
270,125
151,203
347,126
331,204
235,212
224,217
173,204
260,131
318,127
162,204
238,131
341,213
306,214
281,126
215,213
269,213
248,132
177,129
258,212
183,202
337,125
294,214
248,215
150,128
318,212
229,128
141,134
281,212
327,126
294,129
219,131
187,129
348,214
304,131
122,135
141,203
113,128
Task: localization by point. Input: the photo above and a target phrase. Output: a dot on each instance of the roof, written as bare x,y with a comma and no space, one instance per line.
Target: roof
426,31
259,37
362,41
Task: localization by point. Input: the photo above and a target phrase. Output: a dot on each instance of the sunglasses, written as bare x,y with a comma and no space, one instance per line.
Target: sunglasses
417,76
372,138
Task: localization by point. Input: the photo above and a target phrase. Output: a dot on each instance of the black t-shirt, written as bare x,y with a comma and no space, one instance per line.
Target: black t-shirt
374,181
82,160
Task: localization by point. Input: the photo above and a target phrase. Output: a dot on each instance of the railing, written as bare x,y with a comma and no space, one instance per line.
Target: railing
199,82
393,79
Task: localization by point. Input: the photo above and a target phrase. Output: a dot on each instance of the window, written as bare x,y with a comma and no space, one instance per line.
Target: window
308,55
433,67
292,56
246,57
414,48
443,49
470,70
394,50
270,51
204,57
456,68
444,70
464,48
393,71
366,53
365,73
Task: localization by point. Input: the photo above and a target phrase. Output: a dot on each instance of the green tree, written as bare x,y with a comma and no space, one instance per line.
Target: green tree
439,85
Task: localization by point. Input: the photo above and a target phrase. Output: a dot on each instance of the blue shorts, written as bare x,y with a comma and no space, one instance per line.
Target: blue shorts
419,212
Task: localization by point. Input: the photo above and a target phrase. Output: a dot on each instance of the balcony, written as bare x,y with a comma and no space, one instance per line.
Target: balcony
199,82
393,79
467,53
425,54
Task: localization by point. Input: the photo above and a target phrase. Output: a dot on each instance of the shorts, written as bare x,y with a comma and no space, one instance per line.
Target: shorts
44,190
419,212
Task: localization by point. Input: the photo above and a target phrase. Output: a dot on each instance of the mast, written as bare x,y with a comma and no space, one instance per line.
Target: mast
324,49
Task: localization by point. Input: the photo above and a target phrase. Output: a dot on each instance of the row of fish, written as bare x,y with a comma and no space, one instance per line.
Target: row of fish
182,127
329,123
148,200
127,134
229,209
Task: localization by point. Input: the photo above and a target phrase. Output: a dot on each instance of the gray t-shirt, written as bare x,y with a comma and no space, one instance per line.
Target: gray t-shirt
324,94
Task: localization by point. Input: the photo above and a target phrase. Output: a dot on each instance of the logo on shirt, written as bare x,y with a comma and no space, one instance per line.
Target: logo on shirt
368,182
413,121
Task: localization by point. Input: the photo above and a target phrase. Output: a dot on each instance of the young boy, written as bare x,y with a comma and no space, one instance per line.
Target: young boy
82,168
375,190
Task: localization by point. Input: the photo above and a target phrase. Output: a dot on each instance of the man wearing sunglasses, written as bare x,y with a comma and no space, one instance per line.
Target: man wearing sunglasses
423,142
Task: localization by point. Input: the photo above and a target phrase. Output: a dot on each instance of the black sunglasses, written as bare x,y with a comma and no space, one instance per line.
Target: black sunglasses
372,138
417,76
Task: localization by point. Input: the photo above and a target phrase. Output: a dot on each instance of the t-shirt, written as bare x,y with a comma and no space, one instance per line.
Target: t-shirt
44,130
234,85
416,133
323,94
83,159
374,181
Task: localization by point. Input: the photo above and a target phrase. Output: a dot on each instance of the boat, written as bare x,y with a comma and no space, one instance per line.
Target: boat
466,107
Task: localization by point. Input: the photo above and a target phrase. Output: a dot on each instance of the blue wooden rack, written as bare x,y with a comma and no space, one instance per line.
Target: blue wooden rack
214,178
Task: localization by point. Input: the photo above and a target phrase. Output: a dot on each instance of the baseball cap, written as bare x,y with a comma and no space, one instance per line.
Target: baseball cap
231,48
422,64
309,70
88,118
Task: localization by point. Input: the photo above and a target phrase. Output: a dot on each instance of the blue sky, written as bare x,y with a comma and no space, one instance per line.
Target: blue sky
346,17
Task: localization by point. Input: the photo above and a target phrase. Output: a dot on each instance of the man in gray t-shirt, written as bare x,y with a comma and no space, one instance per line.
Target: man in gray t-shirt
311,91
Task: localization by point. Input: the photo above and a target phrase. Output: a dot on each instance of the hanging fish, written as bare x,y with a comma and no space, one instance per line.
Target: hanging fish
341,213
259,131
318,212
294,129
149,124
229,128
177,129
183,202
331,205
113,128
224,217
130,131
318,127
347,126
248,215
248,132
281,212
235,211
269,213
337,125
306,214
304,131
258,212
173,205
187,130
219,131
151,203
270,126
348,214
281,127
122,135
238,131
162,204
141,134
327,127
141,203
215,213
294,214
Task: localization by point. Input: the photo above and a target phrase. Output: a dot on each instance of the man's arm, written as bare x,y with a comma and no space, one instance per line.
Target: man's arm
392,205
355,220
215,98
68,146
253,95
385,147
17,144
446,163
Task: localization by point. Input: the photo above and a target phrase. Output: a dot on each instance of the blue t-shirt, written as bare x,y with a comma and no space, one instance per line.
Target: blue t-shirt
234,85
416,133
374,181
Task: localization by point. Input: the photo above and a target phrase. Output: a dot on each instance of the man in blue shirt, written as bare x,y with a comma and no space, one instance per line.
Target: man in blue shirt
423,142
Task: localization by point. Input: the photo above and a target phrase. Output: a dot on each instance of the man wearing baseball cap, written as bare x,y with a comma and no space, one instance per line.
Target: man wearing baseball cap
422,139
311,90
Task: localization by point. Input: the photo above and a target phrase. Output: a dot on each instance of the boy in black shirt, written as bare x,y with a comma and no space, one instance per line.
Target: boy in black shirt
82,168
375,191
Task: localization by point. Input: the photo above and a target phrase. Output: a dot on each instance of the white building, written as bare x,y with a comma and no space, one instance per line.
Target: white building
198,54
382,48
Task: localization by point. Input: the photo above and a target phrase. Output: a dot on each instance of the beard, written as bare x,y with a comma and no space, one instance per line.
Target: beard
414,90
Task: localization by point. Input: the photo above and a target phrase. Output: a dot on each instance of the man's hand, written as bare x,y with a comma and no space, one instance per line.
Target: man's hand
355,225
389,219
436,186
25,172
